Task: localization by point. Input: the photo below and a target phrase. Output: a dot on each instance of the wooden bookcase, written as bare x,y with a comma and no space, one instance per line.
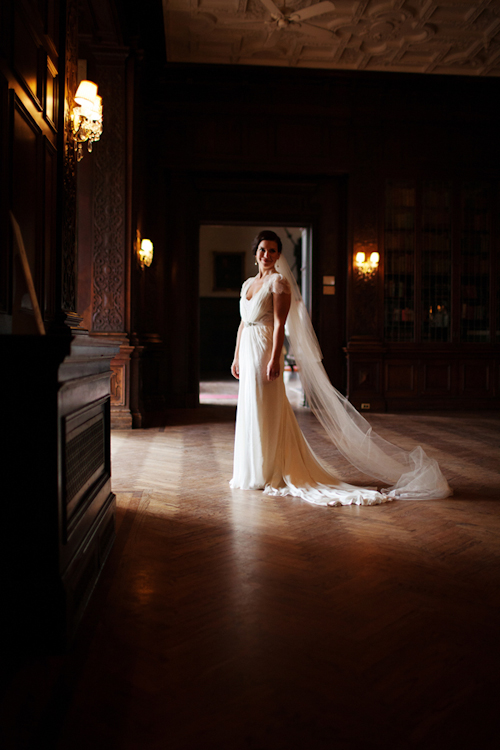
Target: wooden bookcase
433,229
439,288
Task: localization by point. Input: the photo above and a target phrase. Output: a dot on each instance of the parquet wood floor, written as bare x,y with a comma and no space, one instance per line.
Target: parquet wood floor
230,620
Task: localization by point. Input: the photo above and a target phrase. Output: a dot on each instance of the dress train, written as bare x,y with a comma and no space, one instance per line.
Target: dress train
270,451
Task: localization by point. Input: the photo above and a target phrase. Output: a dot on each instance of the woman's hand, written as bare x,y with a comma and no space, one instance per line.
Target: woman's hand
273,369
235,367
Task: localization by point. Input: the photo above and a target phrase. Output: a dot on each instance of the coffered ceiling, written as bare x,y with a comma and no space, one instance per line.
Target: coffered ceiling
456,37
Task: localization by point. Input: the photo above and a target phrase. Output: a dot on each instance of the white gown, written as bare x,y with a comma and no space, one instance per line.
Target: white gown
270,451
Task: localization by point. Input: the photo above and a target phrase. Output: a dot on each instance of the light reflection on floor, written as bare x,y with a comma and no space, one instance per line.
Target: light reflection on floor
224,392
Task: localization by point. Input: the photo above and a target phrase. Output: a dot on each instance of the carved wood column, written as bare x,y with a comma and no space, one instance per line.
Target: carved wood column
110,309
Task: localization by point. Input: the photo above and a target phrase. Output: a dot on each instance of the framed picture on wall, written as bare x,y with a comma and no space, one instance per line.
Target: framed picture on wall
229,269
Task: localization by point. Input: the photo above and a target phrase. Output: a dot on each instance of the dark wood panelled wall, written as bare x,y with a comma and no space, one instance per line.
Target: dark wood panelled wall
56,371
75,217
251,145
32,91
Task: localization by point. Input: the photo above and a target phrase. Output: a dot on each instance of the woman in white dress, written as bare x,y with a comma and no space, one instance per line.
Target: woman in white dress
270,451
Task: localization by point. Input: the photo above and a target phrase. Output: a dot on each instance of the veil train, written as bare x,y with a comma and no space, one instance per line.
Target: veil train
408,474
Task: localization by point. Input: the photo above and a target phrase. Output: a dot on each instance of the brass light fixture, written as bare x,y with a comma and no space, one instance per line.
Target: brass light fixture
86,117
366,266
145,249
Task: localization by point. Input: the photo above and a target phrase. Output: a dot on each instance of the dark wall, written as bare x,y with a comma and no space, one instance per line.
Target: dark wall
37,76
219,319
60,524
208,126
321,121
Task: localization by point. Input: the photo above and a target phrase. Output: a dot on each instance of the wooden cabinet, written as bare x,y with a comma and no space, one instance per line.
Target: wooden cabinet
436,255
438,344
438,272
477,279
400,257
58,519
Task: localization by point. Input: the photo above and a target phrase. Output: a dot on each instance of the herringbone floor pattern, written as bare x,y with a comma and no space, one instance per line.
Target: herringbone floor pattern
235,621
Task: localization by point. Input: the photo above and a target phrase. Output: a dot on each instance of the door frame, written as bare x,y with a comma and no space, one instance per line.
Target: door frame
260,200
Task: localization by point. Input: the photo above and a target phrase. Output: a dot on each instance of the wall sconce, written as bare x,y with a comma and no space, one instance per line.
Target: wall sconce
367,267
86,117
145,252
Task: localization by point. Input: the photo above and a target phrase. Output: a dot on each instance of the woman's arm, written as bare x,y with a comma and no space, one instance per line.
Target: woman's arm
235,367
281,305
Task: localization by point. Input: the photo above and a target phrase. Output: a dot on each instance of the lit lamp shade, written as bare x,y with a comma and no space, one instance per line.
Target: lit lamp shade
85,97
97,108
366,266
146,252
86,94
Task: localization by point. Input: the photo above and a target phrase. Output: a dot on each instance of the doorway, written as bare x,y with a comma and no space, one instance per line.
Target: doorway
225,261
256,201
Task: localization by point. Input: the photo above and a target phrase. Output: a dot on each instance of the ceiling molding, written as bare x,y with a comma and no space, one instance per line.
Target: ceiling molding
452,37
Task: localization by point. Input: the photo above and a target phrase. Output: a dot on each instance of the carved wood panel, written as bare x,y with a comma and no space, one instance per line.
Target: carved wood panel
437,377
118,385
109,206
365,376
427,380
400,378
475,378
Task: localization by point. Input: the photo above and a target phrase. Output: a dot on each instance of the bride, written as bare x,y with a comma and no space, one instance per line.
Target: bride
270,451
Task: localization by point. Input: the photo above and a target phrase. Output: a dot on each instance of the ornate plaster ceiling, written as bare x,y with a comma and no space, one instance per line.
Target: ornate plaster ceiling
419,36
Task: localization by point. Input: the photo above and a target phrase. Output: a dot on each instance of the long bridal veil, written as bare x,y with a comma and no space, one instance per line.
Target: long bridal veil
408,474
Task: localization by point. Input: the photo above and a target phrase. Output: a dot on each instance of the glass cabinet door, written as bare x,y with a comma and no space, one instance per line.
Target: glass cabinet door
435,240
438,261
475,263
399,281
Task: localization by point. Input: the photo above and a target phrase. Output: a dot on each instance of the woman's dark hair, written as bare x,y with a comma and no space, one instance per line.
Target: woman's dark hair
266,234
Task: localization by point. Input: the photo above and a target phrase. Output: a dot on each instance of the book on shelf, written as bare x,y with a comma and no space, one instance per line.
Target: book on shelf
473,312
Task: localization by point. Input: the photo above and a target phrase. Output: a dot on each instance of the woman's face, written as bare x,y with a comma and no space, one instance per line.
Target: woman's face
267,254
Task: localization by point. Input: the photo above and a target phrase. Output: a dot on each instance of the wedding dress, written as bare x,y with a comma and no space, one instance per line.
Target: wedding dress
270,451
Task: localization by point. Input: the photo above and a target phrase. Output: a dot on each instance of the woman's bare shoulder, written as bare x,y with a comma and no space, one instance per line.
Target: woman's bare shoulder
280,285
